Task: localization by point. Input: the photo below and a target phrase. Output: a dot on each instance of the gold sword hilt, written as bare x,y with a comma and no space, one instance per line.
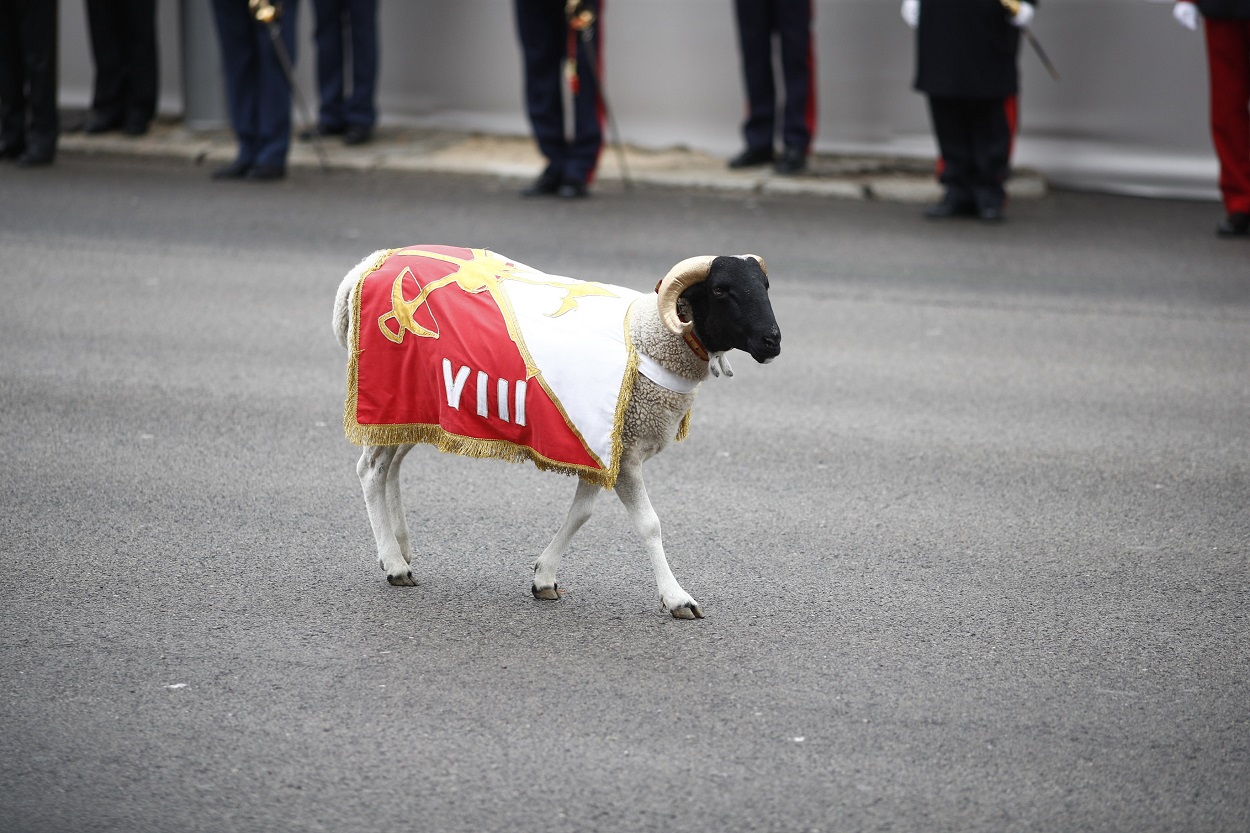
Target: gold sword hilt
263,11
580,19
1013,7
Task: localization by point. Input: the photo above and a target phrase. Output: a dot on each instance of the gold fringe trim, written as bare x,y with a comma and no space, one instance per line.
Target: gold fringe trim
683,428
474,447
350,425
622,402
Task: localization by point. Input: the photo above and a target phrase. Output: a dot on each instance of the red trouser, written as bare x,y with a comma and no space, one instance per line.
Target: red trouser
1228,55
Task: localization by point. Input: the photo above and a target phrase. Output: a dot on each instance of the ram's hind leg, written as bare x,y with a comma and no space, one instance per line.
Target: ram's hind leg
375,471
395,503
544,586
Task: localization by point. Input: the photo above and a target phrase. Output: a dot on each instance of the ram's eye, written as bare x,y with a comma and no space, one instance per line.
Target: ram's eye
720,292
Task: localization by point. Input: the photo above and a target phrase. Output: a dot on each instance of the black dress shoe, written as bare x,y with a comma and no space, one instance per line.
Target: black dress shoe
135,126
572,189
792,161
235,170
11,148
357,134
308,134
547,184
265,173
951,205
1236,224
36,156
100,123
752,157
990,213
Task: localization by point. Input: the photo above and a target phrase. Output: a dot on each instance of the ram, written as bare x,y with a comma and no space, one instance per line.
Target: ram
486,357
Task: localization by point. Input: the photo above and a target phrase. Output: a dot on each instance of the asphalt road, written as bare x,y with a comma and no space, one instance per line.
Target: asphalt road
973,550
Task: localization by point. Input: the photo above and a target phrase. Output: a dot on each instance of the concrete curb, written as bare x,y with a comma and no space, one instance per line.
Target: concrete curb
516,158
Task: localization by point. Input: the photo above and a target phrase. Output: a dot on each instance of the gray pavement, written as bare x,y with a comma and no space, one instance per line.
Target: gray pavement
973,550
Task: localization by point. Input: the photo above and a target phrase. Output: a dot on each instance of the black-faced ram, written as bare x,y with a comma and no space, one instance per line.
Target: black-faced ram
486,357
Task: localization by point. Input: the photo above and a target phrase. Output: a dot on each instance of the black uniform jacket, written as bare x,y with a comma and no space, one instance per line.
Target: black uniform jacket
966,49
1218,9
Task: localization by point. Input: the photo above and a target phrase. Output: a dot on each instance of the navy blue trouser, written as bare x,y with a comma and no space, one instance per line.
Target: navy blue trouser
791,22
257,91
123,45
346,34
28,73
544,36
974,136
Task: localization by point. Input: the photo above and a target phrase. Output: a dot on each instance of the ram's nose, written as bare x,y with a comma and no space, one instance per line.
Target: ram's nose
768,348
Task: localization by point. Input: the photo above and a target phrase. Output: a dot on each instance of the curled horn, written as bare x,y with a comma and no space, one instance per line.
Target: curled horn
681,277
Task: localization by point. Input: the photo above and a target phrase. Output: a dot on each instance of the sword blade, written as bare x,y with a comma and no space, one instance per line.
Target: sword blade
1041,54
284,60
592,58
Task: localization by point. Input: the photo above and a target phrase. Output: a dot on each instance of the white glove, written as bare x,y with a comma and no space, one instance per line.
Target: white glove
1186,14
911,13
1023,17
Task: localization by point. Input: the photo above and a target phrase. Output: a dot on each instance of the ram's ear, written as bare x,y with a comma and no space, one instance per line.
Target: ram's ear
695,299
696,294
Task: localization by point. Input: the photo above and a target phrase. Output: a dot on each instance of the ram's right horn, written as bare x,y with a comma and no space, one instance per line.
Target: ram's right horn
681,277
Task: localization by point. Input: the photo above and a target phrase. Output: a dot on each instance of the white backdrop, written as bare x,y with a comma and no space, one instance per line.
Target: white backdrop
1130,113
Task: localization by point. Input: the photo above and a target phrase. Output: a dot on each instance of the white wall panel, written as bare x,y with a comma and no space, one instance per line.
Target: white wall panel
1129,113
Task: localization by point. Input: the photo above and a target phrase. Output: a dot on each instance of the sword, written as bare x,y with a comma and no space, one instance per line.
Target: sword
1013,8
266,14
582,21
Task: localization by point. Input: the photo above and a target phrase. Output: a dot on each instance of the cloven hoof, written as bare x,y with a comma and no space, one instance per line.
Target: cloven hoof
687,611
406,580
547,594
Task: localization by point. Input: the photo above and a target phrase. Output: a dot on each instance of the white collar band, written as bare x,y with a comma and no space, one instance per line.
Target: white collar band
664,377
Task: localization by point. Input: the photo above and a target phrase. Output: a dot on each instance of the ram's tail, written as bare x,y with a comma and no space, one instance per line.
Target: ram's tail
341,321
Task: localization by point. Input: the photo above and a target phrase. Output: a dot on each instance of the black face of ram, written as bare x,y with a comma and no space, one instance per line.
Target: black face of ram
731,309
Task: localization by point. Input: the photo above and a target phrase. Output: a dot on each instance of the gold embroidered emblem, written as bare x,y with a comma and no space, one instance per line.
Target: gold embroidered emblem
483,273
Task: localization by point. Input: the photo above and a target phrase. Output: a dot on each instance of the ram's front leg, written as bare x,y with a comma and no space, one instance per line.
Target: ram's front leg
374,469
544,586
632,492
